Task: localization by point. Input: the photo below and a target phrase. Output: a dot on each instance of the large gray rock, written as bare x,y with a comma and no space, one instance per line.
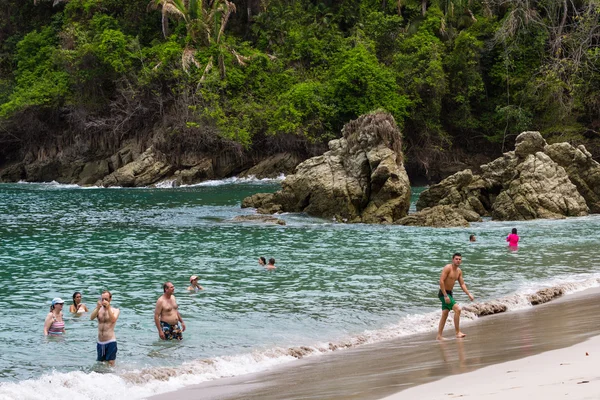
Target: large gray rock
146,170
462,190
541,189
534,181
583,171
360,179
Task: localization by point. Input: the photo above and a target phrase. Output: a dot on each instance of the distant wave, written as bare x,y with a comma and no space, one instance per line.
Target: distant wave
166,184
233,180
142,383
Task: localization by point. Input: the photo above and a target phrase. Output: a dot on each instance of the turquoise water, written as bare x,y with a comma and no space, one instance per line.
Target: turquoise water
334,283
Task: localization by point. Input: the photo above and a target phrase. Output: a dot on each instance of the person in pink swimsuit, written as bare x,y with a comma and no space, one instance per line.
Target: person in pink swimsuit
54,324
513,238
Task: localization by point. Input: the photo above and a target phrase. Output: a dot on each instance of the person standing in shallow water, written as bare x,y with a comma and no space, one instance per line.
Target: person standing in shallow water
166,315
450,274
54,323
107,319
513,238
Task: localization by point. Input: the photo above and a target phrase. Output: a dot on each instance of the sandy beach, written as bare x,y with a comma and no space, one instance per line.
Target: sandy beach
569,373
540,338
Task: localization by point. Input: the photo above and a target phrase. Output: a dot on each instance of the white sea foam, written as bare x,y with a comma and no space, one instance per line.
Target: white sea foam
233,180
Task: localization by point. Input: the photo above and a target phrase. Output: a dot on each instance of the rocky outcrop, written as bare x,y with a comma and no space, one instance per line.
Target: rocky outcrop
272,167
440,217
196,173
360,179
582,170
146,170
536,180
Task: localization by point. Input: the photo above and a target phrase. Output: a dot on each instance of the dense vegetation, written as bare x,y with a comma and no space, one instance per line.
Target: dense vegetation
276,74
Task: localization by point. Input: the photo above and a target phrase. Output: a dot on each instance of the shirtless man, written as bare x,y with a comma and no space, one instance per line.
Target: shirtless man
107,318
450,274
166,315
271,264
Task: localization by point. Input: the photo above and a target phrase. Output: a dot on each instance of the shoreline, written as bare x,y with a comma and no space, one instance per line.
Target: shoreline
376,371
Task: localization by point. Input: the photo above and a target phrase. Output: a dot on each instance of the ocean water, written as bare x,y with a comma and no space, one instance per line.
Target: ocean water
335,286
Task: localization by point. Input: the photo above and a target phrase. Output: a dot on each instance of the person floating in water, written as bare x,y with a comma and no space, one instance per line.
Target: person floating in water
271,264
472,238
513,238
262,261
194,285
450,274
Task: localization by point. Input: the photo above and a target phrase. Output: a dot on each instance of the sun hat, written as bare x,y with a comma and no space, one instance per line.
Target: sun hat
193,278
57,300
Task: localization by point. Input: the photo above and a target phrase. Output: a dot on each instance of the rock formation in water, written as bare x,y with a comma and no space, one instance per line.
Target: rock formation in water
536,180
360,179
441,217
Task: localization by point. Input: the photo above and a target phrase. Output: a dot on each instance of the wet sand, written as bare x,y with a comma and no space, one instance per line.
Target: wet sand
569,373
384,369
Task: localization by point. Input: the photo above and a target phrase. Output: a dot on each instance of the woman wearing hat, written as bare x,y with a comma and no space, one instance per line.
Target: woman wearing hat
54,324
194,286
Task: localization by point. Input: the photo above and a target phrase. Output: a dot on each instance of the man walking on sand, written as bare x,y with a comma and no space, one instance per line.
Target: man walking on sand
166,315
107,318
450,274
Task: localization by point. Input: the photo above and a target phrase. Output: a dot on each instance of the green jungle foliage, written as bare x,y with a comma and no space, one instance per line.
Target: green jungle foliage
448,71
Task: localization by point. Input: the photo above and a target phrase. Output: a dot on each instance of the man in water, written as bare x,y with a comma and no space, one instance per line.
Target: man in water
166,315
107,318
271,264
472,238
450,274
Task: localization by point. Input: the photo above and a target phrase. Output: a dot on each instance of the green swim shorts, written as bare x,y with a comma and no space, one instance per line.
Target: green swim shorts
447,306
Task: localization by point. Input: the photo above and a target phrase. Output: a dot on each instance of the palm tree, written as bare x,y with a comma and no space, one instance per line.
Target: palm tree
205,21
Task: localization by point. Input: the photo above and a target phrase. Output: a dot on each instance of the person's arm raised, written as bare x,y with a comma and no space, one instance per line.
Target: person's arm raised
95,311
